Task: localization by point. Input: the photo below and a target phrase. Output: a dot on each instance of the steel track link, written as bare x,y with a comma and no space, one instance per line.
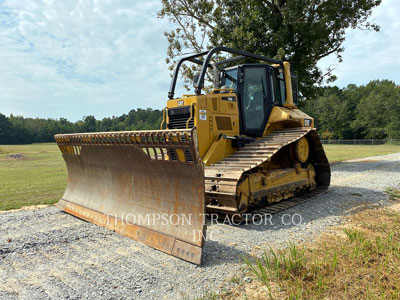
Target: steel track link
286,204
222,178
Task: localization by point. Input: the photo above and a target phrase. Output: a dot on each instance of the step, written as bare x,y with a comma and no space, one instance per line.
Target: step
221,178
220,195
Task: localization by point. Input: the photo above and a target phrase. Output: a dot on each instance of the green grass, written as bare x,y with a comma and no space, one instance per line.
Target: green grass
359,267
393,193
338,153
39,178
359,261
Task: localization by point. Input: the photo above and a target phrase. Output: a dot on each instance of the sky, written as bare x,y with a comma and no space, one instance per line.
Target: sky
76,58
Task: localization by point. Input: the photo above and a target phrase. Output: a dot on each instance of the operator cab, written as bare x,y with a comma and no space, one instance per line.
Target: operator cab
259,87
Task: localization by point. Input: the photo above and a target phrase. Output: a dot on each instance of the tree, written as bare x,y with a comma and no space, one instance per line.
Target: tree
331,113
20,132
5,130
89,124
300,31
378,111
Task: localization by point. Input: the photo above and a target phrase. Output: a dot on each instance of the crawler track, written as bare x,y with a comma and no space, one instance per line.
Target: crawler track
286,204
222,178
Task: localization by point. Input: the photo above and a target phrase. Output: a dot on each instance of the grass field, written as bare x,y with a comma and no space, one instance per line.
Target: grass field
338,153
40,177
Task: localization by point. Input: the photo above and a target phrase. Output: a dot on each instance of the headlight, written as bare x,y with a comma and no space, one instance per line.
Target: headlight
307,122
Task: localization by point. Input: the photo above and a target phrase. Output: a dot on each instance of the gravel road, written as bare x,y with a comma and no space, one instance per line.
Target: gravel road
47,254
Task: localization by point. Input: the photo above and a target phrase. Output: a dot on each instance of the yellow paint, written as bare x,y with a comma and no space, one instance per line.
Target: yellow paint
164,112
216,117
282,117
271,183
219,149
204,114
288,83
302,149
207,107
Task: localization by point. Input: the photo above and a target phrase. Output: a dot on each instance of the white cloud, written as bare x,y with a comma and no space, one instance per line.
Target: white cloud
75,58
371,55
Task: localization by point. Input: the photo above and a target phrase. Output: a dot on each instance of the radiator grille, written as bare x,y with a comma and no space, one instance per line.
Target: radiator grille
179,122
178,118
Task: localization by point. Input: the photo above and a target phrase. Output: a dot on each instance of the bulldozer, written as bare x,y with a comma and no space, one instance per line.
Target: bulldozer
242,147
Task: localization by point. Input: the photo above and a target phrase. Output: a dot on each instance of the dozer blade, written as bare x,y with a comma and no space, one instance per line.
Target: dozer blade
147,185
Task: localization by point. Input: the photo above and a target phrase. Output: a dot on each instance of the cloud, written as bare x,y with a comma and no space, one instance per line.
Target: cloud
370,55
103,58
76,58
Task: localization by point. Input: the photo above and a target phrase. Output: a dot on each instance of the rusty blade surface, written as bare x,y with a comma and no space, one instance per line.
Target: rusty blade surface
147,185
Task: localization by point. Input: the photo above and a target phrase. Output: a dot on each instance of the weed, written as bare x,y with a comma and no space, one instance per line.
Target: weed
235,279
393,193
335,260
354,235
363,265
209,296
356,194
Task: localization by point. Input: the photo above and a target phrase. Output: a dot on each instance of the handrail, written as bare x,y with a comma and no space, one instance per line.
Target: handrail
200,82
192,108
165,110
191,58
206,64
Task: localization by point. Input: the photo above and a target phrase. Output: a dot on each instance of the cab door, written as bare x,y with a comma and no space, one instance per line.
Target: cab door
255,101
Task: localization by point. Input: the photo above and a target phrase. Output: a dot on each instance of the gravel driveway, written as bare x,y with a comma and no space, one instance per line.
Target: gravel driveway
47,254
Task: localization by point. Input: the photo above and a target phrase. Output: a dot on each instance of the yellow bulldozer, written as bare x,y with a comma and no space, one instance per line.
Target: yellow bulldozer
242,148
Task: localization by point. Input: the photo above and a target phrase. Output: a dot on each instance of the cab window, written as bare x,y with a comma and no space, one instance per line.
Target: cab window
229,79
255,105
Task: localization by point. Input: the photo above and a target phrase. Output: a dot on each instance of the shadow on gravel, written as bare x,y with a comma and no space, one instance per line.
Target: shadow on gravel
339,201
216,253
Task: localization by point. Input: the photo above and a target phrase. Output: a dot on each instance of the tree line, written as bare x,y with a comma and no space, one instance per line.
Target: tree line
20,130
369,111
